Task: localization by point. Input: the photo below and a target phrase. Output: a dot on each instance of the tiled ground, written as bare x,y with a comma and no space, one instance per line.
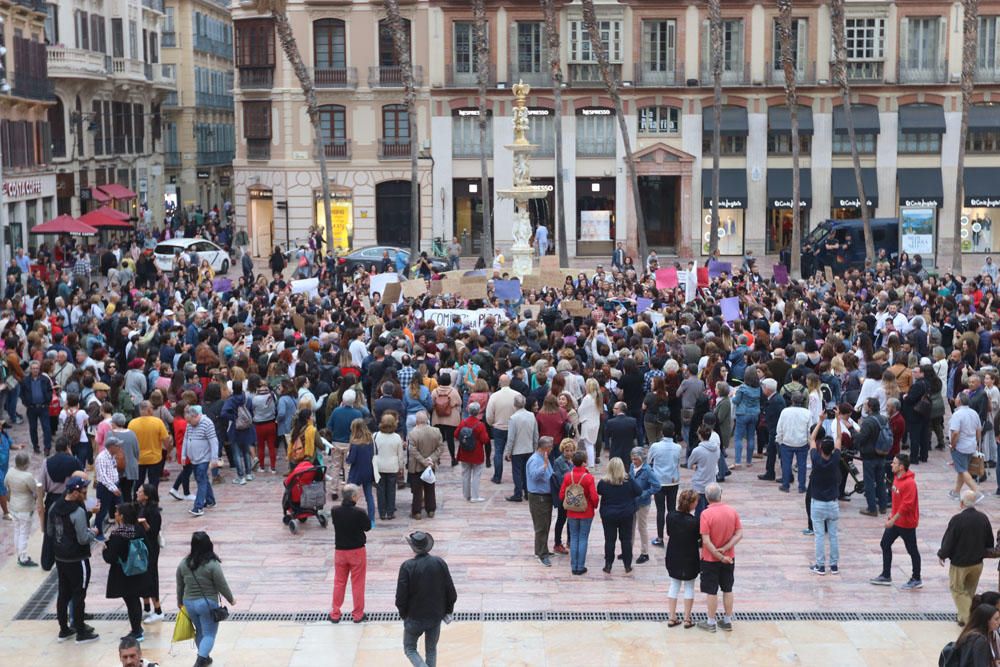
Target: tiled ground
488,547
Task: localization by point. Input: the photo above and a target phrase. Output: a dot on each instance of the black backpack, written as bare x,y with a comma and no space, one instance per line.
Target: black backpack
950,656
467,438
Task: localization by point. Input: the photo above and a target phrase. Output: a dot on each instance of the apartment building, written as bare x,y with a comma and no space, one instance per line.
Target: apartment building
904,64
28,191
198,129
104,63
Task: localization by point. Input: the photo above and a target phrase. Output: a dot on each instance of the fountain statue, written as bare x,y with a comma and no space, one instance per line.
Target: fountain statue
523,191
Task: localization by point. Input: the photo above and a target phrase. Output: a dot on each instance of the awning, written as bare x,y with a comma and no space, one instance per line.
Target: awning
865,119
920,188
925,118
844,189
732,188
779,188
103,221
113,213
984,117
97,195
779,120
64,224
734,121
116,191
982,187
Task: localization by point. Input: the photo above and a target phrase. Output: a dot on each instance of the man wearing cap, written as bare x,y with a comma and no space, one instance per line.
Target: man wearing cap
67,527
425,596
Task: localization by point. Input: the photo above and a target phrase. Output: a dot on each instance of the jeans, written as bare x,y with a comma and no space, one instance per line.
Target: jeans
183,481
366,489
666,502
453,262
84,452
518,468
499,444
800,463
108,502
875,490
205,627
205,495
351,563
470,479
621,530
412,629
723,467
386,494
824,514
150,473
746,430
909,536
36,415
12,397
241,452
579,533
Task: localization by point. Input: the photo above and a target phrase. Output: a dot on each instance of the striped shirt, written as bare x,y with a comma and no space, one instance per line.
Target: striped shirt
201,443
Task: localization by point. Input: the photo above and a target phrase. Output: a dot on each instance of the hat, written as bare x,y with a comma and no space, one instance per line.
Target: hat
420,542
76,483
168,313
100,386
136,363
201,311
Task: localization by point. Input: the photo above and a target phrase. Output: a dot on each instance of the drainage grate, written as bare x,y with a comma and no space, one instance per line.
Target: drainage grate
40,600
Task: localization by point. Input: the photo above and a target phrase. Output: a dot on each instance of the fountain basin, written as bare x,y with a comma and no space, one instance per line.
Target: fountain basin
524,192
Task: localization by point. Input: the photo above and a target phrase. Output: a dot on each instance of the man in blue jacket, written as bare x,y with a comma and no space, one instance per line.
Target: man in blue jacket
36,394
647,481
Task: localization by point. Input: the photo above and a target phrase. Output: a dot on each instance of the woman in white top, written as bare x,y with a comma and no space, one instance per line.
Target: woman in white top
887,389
590,418
815,399
993,393
870,387
390,458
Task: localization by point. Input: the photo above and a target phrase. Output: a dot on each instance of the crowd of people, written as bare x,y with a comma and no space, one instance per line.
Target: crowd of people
595,414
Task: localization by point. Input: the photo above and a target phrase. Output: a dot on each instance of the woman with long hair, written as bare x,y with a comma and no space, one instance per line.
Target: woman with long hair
656,410
591,407
746,410
302,439
683,558
200,582
618,493
416,398
151,519
360,458
974,644
127,586
815,398
390,459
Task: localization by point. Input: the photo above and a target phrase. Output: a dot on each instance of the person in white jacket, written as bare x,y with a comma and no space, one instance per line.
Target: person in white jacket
590,418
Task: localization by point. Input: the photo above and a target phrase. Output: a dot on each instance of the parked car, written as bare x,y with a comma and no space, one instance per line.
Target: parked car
365,257
165,252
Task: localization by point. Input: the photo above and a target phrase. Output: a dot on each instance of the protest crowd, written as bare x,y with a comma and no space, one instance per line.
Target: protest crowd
634,394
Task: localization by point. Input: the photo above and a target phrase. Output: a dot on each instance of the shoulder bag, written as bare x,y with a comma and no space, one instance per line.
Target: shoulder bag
220,613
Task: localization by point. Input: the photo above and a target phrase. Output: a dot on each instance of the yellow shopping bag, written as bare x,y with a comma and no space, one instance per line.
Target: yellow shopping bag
183,627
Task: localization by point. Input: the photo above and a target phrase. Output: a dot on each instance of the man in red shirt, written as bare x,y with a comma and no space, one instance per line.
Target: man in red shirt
902,522
721,530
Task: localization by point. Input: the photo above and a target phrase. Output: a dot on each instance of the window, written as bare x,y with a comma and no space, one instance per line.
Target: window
107,120
333,125
133,39
542,131
386,49
579,41
921,43
139,128
988,43
154,48
98,122
330,44
395,123
255,43
465,141
728,145
82,31
733,57
659,46
595,133
919,142
117,38
97,35
169,36
52,24
865,41
465,50
257,129
800,45
529,47
659,120
781,144
865,142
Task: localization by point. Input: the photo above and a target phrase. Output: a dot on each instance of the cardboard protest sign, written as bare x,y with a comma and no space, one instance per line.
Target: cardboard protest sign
531,281
828,271
393,292
472,288
436,286
308,286
378,282
414,289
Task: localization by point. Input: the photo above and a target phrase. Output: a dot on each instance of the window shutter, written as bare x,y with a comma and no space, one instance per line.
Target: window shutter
257,120
671,46
939,60
904,42
706,49
737,64
802,44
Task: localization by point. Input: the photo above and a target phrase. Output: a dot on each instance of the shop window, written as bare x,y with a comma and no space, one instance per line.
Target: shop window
781,144
727,145
977,229
919,142
730,231
659,120
983,141
866,144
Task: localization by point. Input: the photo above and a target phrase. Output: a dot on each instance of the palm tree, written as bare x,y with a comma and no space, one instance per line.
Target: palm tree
276,8
970,25
715,36
791,99
840,75
401,47
611,84
555,68
482,78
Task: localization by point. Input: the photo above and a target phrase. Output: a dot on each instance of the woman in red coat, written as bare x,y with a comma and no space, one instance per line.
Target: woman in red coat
552,420
471,436
579,520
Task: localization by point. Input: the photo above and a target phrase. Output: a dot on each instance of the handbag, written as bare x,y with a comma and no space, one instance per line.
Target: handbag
923,406
977,465
220,613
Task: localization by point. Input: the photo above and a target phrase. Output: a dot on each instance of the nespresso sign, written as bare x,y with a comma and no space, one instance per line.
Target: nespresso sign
596,111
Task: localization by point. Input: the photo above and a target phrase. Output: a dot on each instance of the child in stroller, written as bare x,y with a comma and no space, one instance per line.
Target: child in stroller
305,495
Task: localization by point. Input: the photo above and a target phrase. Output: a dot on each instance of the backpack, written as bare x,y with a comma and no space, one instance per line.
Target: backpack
138,558
950,656
70,430
297,451
827,394
792,387
442,403
575,498
883,444
467,438
244,420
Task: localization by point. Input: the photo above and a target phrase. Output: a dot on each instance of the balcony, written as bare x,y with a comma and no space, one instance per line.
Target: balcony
604,147
165,76
338,149
738,75
168,39
646,76
213,101
335,77
128,68
213,158
866,71
66,63
155,5
258,149
172,100
394,149
213,47
33,88
931,74
806,74
34,5
541,79
589,74
391,76
172,159
257,78
455,79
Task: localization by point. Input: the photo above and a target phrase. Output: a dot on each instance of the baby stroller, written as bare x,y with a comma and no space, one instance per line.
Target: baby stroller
850,469
305,495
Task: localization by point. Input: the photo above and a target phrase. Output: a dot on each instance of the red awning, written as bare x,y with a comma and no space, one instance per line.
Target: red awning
99,220
97,195
112,213
116,191
64,224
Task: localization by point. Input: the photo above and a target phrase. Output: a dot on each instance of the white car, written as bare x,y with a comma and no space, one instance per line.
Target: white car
165,251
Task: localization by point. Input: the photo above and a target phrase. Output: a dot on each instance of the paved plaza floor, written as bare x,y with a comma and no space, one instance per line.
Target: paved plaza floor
511,609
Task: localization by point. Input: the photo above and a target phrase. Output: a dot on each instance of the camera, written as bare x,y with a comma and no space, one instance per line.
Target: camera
831,413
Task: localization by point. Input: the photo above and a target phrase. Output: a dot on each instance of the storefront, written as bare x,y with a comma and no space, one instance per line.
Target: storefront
921,195
845,203
595,216
732,208
980,208
779,208
467,204
30,201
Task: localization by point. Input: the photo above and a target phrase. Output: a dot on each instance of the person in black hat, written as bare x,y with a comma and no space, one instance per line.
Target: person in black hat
425,596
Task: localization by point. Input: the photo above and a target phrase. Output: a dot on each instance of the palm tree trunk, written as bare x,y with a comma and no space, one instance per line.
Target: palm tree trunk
291,50
555,68
611,84
401,47
715,36
791,98
840,74
970,26
482,78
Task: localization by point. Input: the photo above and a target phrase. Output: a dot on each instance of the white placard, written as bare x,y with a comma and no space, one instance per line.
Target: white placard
470,318
308,286
378,282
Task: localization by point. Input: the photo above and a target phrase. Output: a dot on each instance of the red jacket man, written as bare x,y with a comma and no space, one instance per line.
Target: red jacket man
902,522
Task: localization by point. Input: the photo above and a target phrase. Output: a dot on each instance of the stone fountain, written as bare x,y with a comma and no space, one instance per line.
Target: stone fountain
523,191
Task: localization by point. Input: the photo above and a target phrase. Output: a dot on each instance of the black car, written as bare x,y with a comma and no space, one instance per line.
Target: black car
364,258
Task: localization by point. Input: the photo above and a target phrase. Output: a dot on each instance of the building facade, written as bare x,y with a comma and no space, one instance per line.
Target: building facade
198,131
104,62
904,61
27,179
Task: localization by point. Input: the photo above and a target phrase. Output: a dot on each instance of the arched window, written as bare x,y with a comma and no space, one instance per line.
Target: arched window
330,51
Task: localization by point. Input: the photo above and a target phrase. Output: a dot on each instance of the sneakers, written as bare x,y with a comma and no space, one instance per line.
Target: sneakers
27,563
725,625
834,569
240,481
880,581
66,633
153,617
274,471
514,499
138,636
176,495
912,584
477,500
249,477
643,558
953,495
194,512
545,560
8,517
706,626
808,531
86,637
657,542
818,569
190,496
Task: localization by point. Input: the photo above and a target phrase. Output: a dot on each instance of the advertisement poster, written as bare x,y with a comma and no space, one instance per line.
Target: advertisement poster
595,226
917,231
340,214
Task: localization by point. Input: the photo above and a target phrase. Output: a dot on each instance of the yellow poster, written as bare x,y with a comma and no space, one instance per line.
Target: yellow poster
340,214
